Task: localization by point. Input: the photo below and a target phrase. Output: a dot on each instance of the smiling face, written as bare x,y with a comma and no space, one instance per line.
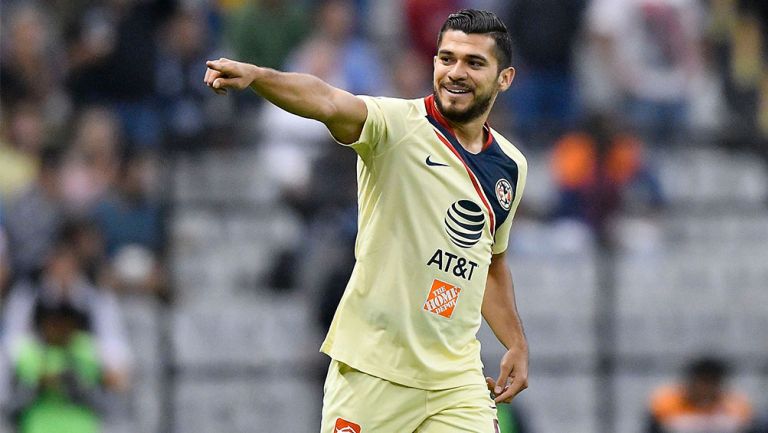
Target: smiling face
467,76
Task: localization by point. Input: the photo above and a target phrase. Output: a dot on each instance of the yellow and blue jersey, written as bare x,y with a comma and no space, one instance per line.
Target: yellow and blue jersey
431,215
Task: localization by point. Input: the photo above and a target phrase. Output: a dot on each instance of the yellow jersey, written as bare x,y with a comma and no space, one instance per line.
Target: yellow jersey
431,215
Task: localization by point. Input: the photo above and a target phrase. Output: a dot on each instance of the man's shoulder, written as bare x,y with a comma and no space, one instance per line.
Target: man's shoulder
510,149
399,106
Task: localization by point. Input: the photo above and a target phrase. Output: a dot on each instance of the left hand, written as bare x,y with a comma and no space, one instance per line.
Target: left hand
513,376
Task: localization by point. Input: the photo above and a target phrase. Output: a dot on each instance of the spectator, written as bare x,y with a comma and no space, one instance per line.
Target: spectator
92,161
411,75
185,105
90,38
87,240
20,148
131,220
63,282
334,54
423,19
33,218
329,216
265,32
599,169
28,63
652,50
57,375
114,54
739,36
701,403
544,97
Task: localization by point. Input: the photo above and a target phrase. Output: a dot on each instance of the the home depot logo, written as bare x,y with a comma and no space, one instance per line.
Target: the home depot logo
442,298
344,426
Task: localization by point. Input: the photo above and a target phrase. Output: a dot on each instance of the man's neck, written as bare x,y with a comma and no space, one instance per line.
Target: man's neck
471,134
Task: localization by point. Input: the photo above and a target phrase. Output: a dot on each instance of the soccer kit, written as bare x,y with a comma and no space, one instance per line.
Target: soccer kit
431,215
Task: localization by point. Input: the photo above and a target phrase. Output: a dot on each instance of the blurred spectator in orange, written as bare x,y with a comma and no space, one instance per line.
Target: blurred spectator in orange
700,403
544,96
34,216
93,158
597,169
20,144
63,282
131,220
264,32
652,51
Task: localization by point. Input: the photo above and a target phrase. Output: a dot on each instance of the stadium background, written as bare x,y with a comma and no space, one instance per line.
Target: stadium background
627,264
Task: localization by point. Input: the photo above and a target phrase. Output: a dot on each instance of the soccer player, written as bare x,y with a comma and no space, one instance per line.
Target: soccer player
438,188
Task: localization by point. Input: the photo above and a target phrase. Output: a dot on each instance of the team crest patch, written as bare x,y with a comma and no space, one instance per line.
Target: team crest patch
504,193
442,298
344,426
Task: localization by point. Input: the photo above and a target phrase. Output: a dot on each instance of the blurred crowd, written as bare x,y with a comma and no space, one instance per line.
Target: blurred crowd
97,97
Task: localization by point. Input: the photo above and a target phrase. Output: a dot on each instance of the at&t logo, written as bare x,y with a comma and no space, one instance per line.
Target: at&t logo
464,223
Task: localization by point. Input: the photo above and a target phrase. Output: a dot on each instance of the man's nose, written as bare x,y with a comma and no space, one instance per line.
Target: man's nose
458,71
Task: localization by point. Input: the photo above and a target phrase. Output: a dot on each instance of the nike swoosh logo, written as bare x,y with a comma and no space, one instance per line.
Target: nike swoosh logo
433,163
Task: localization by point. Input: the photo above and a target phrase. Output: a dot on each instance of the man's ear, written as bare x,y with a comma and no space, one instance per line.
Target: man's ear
506,76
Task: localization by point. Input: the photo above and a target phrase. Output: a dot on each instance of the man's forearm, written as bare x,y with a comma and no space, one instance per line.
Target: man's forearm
301,94
504,320
500,312
499,307
304,95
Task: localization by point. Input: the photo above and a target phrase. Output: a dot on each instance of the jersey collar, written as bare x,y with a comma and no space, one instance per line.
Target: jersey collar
434,112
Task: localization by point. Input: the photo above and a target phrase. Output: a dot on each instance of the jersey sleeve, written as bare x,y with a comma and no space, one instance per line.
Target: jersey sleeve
501,237
383,126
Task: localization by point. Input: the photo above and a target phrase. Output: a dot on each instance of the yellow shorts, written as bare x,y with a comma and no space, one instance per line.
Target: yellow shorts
355,402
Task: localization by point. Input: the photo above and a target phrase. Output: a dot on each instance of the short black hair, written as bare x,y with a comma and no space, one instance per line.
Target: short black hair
482,22
708,368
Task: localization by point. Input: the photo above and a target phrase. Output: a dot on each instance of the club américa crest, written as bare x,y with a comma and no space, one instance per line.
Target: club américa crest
504,193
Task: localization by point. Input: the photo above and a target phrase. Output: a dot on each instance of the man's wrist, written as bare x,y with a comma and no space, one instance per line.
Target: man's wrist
255,75
518,345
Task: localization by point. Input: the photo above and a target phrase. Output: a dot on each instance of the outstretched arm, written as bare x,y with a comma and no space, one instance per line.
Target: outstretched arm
500,311
304,95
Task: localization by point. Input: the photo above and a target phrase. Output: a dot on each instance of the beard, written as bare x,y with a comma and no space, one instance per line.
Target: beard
475,110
